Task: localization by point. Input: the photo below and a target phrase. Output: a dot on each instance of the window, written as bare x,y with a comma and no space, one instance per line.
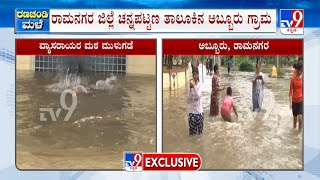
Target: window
114,64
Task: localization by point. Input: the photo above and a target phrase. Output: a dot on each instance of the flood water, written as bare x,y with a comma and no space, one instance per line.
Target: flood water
121,117
263,141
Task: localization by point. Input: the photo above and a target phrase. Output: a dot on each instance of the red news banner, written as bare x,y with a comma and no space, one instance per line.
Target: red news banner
248,47
78,47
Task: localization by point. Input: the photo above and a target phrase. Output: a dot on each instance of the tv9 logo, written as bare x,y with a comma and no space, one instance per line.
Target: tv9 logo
292,21
133,162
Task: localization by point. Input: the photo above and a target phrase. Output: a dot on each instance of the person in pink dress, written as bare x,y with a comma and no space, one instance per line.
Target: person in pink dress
227,105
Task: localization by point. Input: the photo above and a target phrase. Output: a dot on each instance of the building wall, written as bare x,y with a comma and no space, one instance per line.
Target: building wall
135,64
178,82
142,65
24,62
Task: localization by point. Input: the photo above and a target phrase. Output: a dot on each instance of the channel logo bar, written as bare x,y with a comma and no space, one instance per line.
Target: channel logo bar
138,161
292,21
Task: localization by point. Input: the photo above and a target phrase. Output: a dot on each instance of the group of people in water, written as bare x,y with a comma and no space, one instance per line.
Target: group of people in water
196,113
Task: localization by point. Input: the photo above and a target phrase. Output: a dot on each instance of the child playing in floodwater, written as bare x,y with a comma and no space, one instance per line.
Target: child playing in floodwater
295,95
227,105
75,89
196,116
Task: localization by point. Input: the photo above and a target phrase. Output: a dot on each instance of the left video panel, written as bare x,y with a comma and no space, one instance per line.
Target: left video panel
80,103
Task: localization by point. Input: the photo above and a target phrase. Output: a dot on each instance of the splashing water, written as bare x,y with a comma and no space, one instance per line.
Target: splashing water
109,83
68,81
68,78
81,82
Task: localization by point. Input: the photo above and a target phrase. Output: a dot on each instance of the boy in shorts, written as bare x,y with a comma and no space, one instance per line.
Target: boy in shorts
296,98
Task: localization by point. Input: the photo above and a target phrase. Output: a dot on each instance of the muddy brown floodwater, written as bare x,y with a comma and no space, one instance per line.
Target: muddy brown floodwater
265,141
122,117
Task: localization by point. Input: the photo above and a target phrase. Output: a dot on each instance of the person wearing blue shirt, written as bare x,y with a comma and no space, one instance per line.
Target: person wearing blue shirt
229,65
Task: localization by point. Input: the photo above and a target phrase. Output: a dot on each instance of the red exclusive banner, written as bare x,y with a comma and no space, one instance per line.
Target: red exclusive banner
171,162
82,47
244,47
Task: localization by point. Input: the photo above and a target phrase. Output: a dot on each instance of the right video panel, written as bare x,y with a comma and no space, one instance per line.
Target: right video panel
238,103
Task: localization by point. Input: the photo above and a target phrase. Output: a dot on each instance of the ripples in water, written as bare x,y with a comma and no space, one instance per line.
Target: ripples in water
121,117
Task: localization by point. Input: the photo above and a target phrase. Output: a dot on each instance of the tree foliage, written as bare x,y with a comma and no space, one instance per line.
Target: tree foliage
267,61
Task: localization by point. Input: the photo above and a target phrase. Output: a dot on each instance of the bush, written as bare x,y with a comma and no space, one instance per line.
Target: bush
246,66
223,62
280,72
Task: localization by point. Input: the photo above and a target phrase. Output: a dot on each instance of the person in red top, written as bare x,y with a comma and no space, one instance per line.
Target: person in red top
295,64
294,69
295,93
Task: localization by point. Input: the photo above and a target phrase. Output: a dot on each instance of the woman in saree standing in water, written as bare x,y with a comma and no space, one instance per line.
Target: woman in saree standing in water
257,89
214,104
